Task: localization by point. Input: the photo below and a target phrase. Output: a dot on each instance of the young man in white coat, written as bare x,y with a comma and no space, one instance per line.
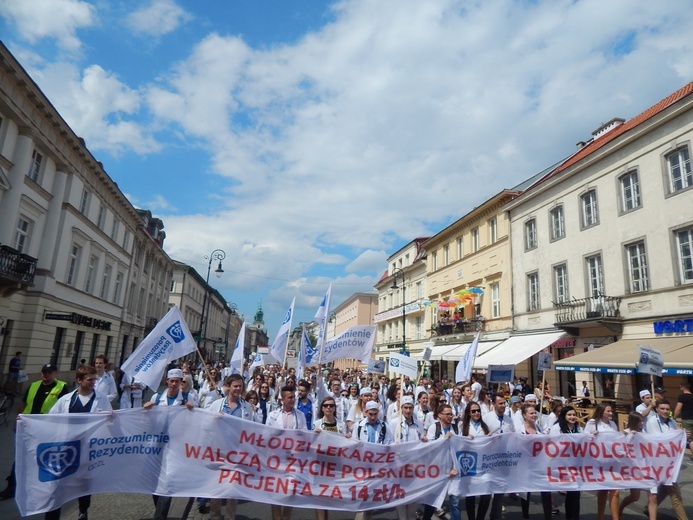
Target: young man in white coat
84,399
288,417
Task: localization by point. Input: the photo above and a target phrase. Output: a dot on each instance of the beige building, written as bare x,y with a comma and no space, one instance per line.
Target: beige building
602,250
472,254
69,286
357,309
401,317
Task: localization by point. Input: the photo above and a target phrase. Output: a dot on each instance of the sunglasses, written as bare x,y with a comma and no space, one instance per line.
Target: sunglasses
328,406
474,411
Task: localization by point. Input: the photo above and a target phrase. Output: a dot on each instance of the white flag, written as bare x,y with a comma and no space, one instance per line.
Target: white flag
403,365
305,344
236,362
464,366
278,348
355,342
169,340
321,317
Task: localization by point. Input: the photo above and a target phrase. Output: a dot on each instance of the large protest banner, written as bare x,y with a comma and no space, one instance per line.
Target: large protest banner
63,456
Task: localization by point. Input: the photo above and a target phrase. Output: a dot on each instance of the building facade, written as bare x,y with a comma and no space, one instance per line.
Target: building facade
602,246
67,237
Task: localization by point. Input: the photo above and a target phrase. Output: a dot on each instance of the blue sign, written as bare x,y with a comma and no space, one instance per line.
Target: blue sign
57,460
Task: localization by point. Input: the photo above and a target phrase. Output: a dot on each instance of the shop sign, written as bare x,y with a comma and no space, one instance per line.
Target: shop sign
673,326
80,319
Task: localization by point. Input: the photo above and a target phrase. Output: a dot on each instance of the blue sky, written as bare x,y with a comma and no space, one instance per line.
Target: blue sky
310,140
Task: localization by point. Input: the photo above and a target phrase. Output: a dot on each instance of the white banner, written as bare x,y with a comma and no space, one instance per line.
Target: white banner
63,456
404,365
278,348
237,357
169,340
355,343
321,317
376,366
463,372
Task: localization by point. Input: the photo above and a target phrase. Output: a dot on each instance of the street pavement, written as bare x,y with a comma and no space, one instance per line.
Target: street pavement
140,507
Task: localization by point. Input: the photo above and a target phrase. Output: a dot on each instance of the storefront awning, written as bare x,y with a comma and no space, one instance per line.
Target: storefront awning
516,349
460,350
436,352
621,357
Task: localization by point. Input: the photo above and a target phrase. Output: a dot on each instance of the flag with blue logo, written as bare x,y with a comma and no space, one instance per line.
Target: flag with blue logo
169,340
236,362
305,344
321,317
278,348
464,366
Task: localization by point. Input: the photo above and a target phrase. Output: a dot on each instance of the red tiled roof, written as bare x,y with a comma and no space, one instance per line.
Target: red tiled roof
620,130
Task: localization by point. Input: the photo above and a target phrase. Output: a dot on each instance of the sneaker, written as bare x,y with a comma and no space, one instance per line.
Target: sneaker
83,516
555,511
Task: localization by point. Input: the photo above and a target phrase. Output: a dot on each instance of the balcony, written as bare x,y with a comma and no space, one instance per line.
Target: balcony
17,270
458,327
589,312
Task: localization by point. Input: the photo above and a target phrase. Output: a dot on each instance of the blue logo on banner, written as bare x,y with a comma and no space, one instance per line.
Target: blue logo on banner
176,332
57,460
310,352
394,362
644,358
467,460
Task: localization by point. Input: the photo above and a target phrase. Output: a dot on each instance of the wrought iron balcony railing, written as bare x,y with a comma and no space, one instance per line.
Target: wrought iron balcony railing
584,309
17,266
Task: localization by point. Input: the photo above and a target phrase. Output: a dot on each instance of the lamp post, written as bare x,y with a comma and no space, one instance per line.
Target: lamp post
395,273
216,255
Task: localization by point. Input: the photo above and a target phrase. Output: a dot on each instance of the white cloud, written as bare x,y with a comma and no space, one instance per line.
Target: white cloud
160,17
160,203
368,262
58,19
98,106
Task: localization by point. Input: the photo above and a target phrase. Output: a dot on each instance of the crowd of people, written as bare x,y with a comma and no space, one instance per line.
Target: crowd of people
371,408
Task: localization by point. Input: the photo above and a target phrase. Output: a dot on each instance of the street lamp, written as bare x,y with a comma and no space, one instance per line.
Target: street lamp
395,273
214,256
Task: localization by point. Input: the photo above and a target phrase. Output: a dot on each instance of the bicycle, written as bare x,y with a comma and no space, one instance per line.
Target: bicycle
6,405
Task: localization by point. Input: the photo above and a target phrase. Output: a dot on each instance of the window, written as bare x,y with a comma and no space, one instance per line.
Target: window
590,217
530,234
84,202
91,273
22,234
684,243
492,231
557,223
630,191
126,240
560,283
118,287
475,240
637,267
419,290
35,166
114,230
446,254
460,248
73,264
434,260
106,281
495,300
679,165
595,276
533,292
101,220
419,327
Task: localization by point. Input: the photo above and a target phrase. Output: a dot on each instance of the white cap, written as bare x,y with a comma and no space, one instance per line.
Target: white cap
372,405
366,390
531,397
643,393
175,372
407,399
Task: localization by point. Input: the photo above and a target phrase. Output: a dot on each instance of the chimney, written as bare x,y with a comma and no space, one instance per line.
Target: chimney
608,126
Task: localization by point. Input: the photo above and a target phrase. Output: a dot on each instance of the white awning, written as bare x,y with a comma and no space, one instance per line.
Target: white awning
516,349
437,352
460,350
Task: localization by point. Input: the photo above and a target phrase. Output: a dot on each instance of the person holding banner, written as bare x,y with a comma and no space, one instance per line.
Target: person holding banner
498,422
288,417
473,426
84,399
408,429
567,423
601,421
530,427
636,424
372,429
233,405
358,411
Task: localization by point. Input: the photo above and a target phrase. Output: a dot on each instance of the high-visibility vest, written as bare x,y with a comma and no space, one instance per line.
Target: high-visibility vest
51,398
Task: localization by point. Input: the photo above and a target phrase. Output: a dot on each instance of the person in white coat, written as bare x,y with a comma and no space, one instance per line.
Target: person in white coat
132,392
84,399
105,384
288,417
